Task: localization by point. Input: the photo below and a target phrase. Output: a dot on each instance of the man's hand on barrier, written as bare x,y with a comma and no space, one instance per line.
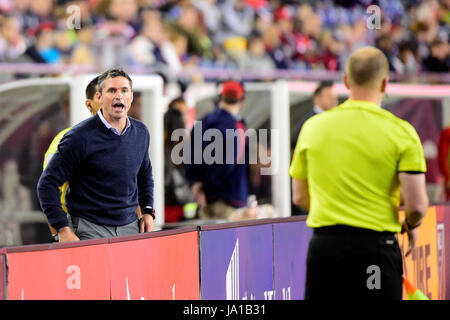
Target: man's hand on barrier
199,195
412,237
65,234
146,223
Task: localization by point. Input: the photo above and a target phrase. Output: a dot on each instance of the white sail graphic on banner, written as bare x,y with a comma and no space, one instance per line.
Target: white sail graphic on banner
233,274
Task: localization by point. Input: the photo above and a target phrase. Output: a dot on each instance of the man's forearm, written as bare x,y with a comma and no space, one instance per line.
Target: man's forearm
50,200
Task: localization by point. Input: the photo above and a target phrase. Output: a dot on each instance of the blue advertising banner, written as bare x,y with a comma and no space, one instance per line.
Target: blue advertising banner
291,241
237,263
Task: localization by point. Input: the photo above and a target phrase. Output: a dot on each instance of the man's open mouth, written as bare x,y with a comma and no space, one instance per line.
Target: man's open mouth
118,105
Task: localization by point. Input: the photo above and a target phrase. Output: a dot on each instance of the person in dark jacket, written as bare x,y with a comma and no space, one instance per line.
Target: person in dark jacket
177,193
324,99
439,58
218,168
106,162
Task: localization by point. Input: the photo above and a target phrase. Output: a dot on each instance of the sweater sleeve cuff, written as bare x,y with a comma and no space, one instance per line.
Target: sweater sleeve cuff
61,223
149,210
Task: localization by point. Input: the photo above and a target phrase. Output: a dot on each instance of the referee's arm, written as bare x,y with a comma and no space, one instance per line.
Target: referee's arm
300,193
414,195
416,204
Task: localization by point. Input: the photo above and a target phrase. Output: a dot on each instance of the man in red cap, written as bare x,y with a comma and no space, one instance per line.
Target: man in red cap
219,180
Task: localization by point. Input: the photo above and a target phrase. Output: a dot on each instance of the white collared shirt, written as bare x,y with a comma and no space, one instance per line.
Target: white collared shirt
318,109
110,127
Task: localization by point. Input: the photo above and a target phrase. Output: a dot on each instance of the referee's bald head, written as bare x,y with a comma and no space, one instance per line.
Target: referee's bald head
367,67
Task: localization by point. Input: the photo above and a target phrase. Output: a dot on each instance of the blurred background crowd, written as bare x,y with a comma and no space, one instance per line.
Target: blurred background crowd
172,36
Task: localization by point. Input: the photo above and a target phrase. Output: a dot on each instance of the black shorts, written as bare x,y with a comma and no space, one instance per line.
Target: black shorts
344,262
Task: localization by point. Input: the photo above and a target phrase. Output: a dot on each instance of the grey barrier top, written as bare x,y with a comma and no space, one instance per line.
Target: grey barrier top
154,234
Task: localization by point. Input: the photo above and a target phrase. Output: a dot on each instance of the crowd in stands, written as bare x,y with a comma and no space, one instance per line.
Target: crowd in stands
227,34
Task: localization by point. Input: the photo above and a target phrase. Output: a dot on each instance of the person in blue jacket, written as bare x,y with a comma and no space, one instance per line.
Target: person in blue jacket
220,184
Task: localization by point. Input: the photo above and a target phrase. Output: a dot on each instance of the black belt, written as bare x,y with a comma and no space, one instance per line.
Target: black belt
349,230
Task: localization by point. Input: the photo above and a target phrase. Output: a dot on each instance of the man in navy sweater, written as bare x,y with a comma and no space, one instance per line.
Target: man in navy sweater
220,186
106,162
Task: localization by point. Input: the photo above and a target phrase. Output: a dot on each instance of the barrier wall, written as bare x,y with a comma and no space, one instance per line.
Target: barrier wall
156,268
67,273
291,241
237,263
259,259
160,265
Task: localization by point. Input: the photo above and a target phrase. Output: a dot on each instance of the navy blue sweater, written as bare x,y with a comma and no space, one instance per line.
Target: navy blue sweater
105,172
225,181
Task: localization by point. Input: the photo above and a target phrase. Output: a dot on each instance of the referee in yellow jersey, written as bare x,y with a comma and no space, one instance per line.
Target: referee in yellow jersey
348,167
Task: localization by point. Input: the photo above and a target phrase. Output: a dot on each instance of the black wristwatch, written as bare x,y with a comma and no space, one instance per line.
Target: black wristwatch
149,210
55,238
410,227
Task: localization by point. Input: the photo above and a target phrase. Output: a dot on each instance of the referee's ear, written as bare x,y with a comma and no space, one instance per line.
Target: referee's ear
384,84
346,81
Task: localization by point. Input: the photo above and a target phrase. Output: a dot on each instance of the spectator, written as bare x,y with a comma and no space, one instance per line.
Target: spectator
444,12
125,12
274,47
439,57
83,51
406,62
427,25
12,43
211,15
312,35
283,18
419,31
45,43
307,45
153,48
21,10
221,186
117,20
238,18
263,21
393,9
331,51
188,24
64,43
328,12
177,192
221,59
256,57
41,10
385,44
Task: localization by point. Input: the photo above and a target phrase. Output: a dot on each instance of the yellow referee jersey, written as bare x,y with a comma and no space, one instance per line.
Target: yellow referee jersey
47,157
351,156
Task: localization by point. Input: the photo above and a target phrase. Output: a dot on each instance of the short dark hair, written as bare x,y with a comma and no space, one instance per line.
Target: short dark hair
91,88
175,101
322,85
436,42
112,73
